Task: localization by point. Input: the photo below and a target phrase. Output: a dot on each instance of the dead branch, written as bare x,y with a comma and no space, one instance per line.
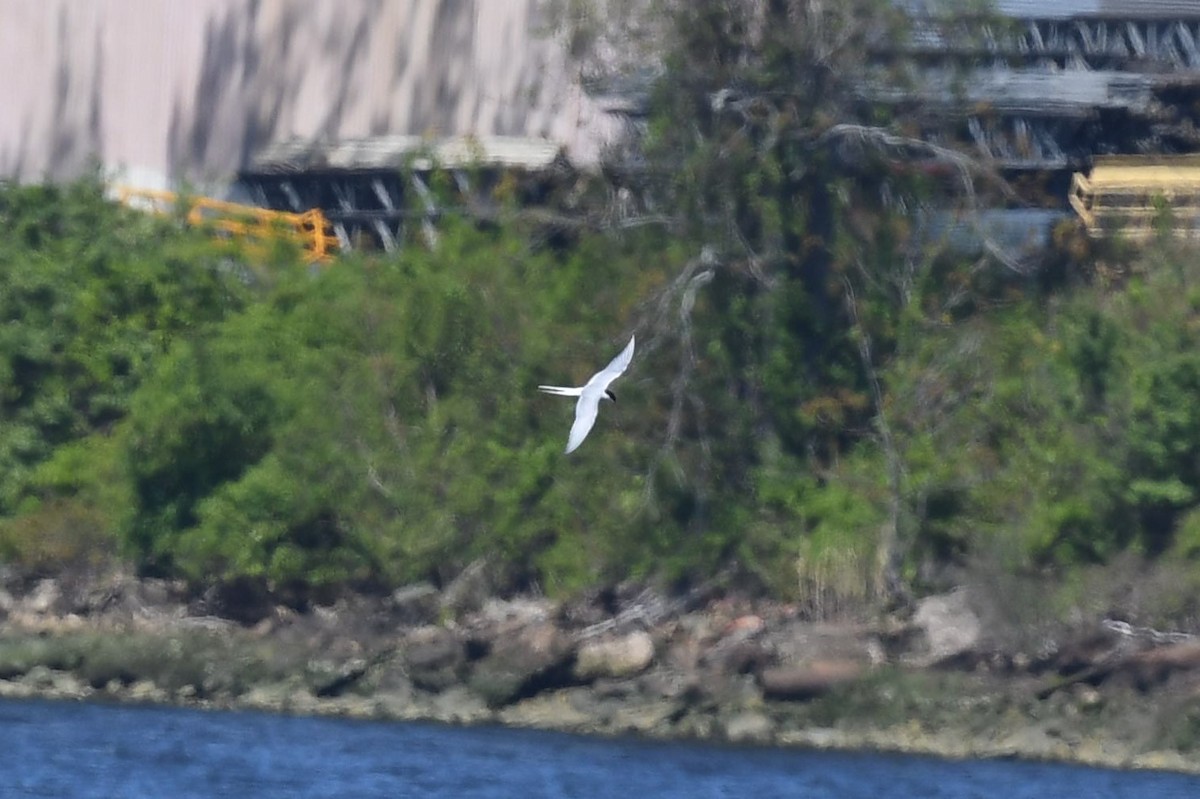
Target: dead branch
969,169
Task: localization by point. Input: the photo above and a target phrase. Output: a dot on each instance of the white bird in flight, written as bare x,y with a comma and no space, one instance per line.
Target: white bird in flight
590,395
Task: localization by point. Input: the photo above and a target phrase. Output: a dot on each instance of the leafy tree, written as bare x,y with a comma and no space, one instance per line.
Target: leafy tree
1059,430
773,147
375,423
93,293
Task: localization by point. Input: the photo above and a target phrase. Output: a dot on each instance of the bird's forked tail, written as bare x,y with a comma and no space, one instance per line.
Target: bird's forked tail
561,391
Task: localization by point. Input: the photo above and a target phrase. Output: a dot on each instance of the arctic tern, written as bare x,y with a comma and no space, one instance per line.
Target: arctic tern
590,395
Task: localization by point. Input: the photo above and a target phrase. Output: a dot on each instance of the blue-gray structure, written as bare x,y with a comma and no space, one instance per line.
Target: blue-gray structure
1057,83
1035,87
364,186
1037,84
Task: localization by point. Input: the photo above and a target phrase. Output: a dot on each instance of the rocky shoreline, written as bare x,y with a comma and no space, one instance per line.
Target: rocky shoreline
618,662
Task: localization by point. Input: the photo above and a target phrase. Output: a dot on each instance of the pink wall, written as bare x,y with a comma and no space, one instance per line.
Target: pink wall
172,89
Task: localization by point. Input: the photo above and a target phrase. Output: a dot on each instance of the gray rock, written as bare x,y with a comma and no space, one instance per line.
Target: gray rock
670,684
43,598
40,677
145,691
124,597
433,658
624,656
809,680
271,696
390,676
536,658
416,604
552,710
1153,667
330,678
949,627
243,600
749,727
799,641
457,705
738,656
44,681
156,593
516,611
467,592
652,717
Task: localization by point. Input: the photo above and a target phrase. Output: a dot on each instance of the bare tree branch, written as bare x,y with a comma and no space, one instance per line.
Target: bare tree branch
967,167
671,319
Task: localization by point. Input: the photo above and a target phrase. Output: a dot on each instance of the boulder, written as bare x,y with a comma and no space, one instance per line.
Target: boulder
123,597
948,625
1156,665
416,604
467,592
733,656
797,641
798,682
749,727
502,613
622,656
327,678
744,626
433,658
244,600
58,684
44,598
458,705
533,659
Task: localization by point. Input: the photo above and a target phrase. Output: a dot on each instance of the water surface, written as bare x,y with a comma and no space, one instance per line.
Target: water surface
64,749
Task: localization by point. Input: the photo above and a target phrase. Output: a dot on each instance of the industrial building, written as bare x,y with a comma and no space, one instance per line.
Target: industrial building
300,104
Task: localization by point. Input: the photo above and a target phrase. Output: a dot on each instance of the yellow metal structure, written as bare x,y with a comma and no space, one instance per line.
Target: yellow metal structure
1130,194
311,230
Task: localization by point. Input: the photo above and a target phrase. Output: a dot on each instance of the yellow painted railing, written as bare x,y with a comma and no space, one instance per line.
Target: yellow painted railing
1129,194
310,230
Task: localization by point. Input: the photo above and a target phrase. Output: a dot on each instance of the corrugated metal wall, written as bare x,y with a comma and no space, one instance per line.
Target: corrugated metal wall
190,89
1071,9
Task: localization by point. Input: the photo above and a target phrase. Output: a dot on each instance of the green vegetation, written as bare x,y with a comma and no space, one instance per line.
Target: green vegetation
373,423
818,408
92,296
202,664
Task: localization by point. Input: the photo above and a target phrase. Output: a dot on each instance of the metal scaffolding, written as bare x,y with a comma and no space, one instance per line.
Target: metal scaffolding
374,190
1113,43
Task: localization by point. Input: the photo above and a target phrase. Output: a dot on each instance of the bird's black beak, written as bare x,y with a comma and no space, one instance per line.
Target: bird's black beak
611,395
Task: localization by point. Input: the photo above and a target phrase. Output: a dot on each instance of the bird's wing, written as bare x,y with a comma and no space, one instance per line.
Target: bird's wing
585,417
614,369
561,391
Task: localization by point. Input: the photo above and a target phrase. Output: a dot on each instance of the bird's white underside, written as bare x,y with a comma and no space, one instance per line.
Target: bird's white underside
590,395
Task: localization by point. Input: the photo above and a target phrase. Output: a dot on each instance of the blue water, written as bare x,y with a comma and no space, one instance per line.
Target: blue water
83,750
